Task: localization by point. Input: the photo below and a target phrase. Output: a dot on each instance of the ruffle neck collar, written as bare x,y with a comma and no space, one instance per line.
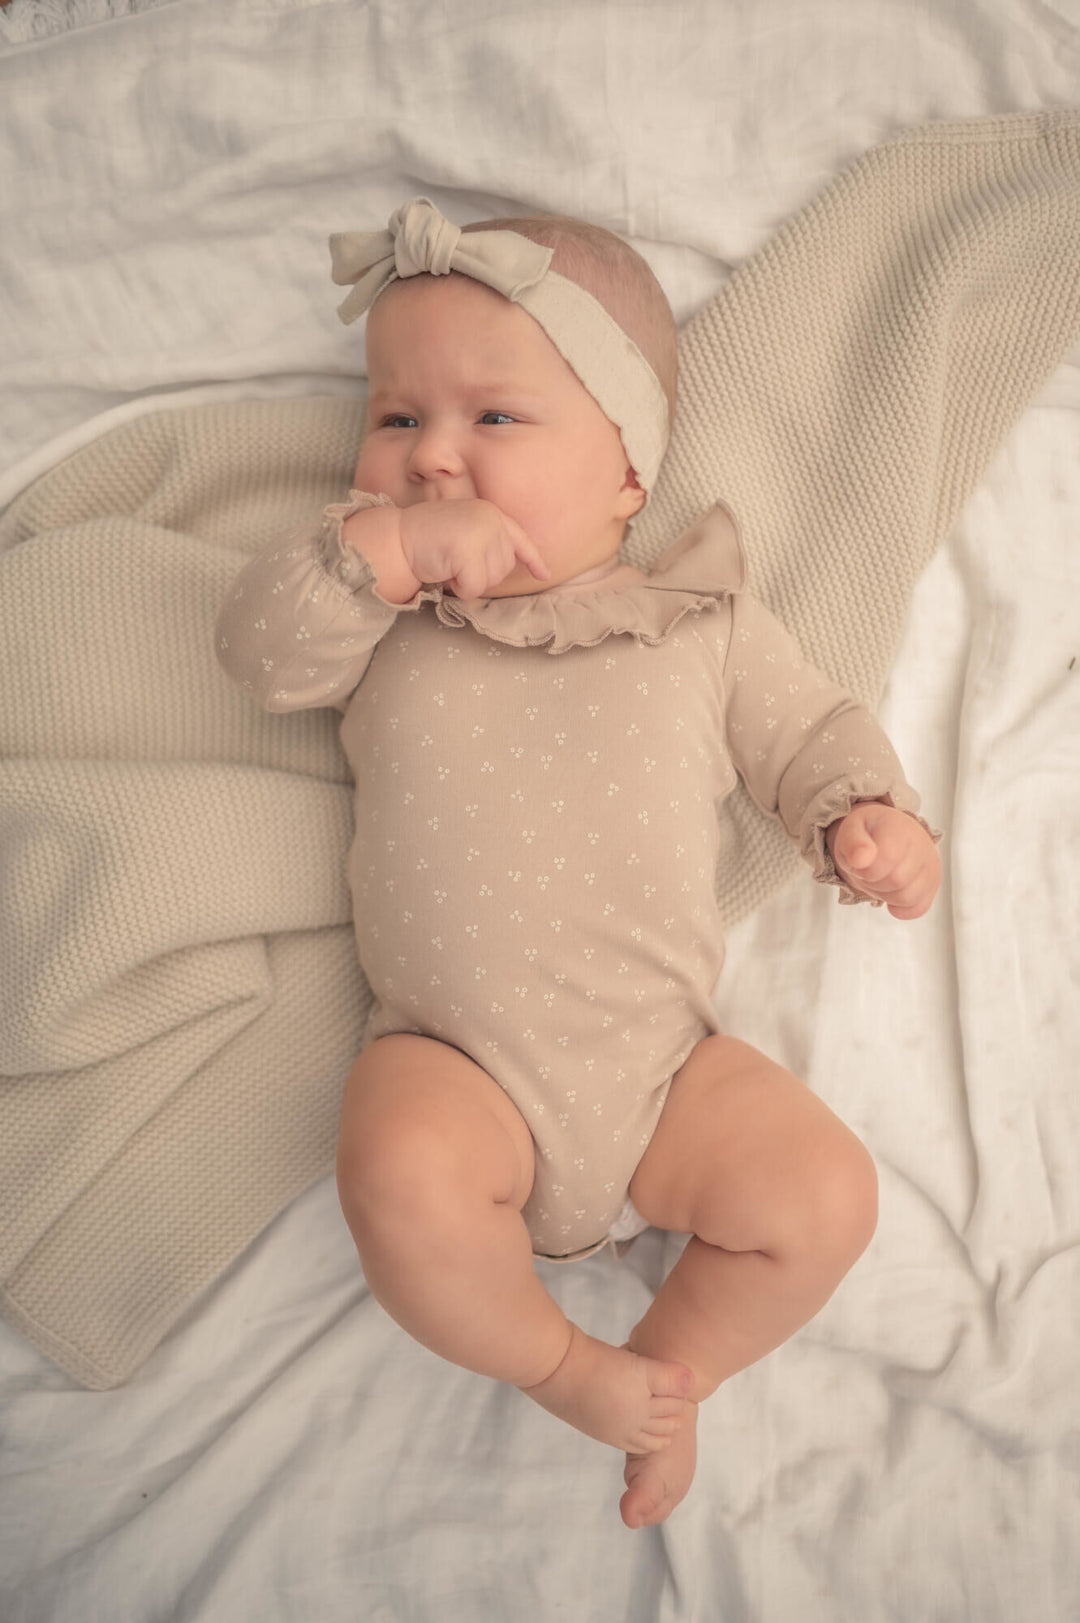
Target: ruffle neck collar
695,574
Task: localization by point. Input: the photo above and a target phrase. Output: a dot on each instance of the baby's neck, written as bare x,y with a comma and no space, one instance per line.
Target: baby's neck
612,572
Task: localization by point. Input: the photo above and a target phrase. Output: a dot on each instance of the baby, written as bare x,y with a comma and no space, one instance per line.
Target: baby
540,736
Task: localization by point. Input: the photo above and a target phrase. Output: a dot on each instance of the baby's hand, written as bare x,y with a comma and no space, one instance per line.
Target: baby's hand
468,545
883,853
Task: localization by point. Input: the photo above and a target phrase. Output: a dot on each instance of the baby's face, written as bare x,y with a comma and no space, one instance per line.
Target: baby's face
470,398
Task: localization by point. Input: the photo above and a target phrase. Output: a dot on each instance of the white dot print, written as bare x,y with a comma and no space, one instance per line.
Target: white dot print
549,918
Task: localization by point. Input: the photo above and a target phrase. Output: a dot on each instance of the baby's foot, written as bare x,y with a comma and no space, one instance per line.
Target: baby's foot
615,1395
655,1483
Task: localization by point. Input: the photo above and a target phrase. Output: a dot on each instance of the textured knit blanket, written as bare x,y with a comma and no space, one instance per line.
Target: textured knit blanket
179,997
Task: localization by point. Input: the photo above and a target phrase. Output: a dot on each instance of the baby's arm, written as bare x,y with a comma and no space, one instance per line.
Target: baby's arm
809,753
301,620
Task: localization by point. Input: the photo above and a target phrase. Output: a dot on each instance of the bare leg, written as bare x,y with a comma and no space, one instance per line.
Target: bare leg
434,1166
780,1199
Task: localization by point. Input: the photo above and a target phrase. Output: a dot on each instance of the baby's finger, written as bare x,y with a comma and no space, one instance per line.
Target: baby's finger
913,898
912,906
897,879
478,575
471,580
526,550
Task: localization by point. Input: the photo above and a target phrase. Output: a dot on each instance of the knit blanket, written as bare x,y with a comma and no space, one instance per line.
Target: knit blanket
180,1000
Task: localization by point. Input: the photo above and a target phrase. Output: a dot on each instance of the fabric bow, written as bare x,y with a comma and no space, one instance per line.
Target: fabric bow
420,239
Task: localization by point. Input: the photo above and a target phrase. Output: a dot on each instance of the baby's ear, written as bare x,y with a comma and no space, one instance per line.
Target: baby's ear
631,496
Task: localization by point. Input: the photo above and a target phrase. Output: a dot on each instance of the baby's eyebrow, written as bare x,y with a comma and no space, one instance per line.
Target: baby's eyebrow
483,390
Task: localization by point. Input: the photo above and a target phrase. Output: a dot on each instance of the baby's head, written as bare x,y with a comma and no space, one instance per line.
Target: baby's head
618,278
530,362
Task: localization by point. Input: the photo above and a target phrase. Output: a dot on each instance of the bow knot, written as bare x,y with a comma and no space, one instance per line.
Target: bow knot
424,240
421,240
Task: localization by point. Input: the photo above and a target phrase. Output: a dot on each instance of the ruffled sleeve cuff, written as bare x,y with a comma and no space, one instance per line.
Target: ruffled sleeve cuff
348,567
343,563
836,802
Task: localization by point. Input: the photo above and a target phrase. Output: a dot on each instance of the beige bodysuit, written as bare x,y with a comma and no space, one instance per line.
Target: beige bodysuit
537,781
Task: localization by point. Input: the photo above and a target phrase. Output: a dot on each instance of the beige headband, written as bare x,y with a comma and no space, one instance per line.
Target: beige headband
610,365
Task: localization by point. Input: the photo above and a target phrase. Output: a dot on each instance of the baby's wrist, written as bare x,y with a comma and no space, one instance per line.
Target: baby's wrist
376,533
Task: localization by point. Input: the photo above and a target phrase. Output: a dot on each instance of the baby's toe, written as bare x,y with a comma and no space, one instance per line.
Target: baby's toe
643,1502
668,1380
660,1428
648,1442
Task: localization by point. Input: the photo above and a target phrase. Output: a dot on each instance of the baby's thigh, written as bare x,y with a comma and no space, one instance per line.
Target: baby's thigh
422,1124
748,1158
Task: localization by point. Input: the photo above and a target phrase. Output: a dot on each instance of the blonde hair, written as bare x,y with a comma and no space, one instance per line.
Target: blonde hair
616,276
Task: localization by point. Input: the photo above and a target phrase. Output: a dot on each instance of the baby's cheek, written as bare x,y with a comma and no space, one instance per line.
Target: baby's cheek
366,473
375,470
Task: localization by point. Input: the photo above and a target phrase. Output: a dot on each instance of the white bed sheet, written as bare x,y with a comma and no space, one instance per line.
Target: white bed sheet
168,182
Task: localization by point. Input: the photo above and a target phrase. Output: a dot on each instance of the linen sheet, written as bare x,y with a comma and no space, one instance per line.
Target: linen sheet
169,179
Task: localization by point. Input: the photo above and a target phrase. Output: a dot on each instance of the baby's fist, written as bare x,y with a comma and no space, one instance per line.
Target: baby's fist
884,853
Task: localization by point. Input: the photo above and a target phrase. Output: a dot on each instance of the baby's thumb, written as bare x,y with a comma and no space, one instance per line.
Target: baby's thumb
860,853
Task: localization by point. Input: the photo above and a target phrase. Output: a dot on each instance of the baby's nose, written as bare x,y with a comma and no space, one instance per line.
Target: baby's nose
435,452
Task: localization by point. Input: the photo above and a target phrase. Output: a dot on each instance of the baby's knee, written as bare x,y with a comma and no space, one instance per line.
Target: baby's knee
392,1168
845,1200
428,1142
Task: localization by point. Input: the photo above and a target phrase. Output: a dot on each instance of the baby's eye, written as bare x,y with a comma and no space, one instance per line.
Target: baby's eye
398,419
498,416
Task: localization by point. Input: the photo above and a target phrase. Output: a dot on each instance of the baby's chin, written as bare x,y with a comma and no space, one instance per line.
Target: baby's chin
526,585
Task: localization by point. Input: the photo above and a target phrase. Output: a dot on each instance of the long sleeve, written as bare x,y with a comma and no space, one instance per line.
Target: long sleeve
301,620
806,750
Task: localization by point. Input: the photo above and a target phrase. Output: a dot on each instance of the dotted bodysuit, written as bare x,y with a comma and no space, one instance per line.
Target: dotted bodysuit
537,780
